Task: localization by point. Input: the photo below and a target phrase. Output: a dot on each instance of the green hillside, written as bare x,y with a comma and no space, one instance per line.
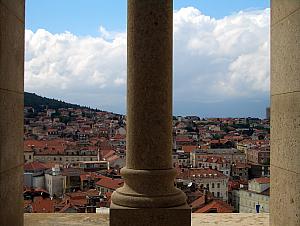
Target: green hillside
40,103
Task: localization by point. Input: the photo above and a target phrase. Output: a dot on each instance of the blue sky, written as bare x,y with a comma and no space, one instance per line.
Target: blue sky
82,17
221,54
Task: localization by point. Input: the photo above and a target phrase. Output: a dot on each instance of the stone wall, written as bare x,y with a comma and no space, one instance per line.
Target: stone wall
285,113
11,111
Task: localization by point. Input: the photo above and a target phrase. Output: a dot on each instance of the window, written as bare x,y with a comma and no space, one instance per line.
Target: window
213,185
218,185
218,194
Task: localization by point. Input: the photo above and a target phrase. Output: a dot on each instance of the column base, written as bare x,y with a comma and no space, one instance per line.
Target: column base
175,216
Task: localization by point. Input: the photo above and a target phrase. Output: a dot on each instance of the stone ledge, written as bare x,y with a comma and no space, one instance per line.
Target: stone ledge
65,219
230,219
91,219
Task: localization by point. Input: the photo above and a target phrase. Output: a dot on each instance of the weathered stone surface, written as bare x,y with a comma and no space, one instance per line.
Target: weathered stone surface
285,113
285,55
12,50
148,175
66,219
148,189
11,130
282,8
11,197
16,7
149,84
285,140
285,197
230,219
150,217
11,111
227,219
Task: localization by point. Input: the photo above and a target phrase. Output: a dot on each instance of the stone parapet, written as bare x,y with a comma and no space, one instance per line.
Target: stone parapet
198,219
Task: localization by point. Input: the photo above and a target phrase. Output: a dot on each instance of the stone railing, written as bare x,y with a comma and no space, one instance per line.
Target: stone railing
198,219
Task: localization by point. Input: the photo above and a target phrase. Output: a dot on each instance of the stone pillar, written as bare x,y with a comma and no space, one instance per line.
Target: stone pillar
285,113
11,111
148,196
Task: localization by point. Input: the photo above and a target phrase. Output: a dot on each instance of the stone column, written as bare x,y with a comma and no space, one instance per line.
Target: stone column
11,111
149,196
285,113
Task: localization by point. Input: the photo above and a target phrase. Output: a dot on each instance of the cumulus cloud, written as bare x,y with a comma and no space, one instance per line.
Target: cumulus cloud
214,60
87,70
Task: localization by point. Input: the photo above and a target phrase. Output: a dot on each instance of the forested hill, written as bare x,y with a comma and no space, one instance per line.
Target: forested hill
39,103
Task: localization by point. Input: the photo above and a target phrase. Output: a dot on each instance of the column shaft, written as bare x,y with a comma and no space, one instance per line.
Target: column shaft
149,176
11,111
149,90
285,113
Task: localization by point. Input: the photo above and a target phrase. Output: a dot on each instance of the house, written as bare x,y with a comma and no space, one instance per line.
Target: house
54,182
88,180
240,170
34,174
214,181
215,162
71,181
256,197
231,155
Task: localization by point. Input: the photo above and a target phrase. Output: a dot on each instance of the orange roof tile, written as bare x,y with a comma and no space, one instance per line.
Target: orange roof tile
218,205
189,148
198,202
32,166
262,180
110,183
41,205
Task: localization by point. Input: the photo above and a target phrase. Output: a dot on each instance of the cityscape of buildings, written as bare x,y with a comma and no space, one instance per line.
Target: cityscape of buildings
73,157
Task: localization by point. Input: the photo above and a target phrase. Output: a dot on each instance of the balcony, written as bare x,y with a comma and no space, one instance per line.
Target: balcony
91,219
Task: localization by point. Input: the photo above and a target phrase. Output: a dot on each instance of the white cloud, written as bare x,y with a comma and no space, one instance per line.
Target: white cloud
214,60
220,59
79,69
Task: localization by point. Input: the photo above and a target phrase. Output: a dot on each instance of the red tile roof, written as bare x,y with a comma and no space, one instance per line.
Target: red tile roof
107,153
34,166
41,205
189,148
112,158
262,180
118,137
92,176
240,165
183,139
46,146
218,205
110,183
198,202
213,159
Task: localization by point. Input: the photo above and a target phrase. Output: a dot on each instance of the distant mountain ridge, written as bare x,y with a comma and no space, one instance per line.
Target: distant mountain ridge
39,102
